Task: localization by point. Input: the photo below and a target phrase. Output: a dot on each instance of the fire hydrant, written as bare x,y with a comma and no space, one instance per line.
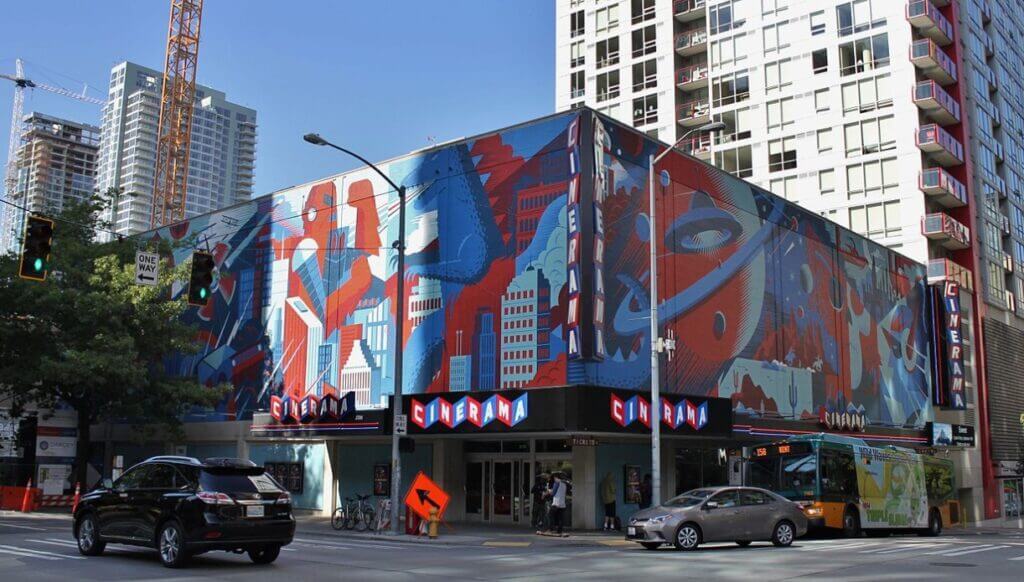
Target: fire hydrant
432,524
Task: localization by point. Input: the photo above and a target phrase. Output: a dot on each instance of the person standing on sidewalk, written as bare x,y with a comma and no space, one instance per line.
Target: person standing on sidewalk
558,493
646,491
539,493
608,499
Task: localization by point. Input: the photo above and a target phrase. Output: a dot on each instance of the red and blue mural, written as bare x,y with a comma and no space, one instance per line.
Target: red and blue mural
772,306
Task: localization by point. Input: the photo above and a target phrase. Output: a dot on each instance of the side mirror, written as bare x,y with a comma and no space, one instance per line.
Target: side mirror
711,505
108,483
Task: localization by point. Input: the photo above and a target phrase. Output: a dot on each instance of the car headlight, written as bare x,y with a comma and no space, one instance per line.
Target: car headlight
659,518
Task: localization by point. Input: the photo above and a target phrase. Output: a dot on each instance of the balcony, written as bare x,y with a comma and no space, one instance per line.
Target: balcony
936,103
943,188
942,270
941,146
698,147
689,10
692,42
933,62
924,16
692,113
692,77
1007,262
1004,225
947,231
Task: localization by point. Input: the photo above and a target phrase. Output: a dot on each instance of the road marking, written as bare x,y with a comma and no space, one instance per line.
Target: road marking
903,549
976,550
617,543
40,554
52,542
964,552
26,555
23,527
1017,558
508,544
354,544
839,547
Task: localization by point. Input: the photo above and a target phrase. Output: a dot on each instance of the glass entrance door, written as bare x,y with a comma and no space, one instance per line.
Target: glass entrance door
502,492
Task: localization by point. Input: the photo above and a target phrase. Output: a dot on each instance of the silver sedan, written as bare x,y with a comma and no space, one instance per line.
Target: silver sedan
717,514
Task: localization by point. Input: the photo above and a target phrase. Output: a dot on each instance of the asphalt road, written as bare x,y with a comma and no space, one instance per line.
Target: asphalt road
43,549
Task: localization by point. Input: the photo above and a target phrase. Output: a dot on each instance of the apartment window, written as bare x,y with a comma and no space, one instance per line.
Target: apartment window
865,54
785,187
731,88
729,51
576,24
736,161
872,179
867,94
608,52
869,136
824,140
821,100
643,10
773,6
876,220
645,75
645,110
776,37
826,182
578,85
608,85
817,23
819,61
782,154
853,17
780,114
778,74
644,41
722,17
737,125
606,19
576,57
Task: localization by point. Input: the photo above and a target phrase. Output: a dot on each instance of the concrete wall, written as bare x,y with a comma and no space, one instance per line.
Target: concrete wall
311,455
354,468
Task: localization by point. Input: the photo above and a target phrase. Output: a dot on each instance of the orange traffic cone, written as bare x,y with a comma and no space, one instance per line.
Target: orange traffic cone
26,501
78,494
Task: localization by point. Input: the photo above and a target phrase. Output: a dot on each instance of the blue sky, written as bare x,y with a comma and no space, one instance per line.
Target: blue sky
380,77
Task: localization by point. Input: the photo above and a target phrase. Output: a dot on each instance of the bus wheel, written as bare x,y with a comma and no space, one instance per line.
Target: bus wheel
934,524
851,523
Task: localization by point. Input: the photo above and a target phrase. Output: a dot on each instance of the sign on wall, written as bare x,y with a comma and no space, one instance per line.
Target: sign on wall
942,434
468,409
604,410
312,409
954,355
289,475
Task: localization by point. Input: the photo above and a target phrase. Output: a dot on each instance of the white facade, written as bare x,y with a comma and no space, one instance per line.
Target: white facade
223,151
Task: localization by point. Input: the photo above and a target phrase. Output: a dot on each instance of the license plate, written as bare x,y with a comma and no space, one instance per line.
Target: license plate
630,531
254,511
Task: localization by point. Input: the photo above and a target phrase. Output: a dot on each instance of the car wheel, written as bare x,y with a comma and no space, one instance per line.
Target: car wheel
650,545
687,537
784,534
934,524
264,555
851,524
171,545
742,543
88,534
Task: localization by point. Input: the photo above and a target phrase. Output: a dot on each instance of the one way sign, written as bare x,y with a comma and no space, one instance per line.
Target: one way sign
147,268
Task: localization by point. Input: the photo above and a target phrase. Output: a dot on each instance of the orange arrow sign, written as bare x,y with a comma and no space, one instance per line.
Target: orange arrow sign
424,494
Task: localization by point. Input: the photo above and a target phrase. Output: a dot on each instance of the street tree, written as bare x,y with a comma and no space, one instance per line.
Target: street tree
90,339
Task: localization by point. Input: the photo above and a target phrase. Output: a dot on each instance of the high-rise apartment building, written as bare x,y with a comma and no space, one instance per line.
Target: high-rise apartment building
899,119
223,154
56,162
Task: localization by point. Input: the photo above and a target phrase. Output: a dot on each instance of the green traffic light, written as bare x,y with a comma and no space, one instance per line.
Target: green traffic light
202,293
38,264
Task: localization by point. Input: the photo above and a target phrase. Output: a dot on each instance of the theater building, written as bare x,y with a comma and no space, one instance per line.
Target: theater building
527,338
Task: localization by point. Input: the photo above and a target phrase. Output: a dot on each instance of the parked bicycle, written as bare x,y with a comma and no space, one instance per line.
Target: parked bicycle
355,514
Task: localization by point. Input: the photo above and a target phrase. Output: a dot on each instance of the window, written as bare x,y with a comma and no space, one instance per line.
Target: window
133,479
576,24
729,51
645,75
643,10
785,187
644,41
782,154
826,182
818,23
727,498
865,54
824,140
737,125
608,85
778,74
730,89
876,219
821,100
838,474
869,136
751,497
645,110
819,61
876,178
780,114
606,19
737,162
867,94
852,17
578,87
776,37
721,17
608,52
576,57
159,476
773,6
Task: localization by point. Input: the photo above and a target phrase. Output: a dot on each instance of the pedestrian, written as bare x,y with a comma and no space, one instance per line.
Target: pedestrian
558,492
608,498
646,490
539,494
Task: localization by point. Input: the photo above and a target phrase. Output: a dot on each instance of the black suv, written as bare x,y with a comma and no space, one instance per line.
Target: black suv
183,507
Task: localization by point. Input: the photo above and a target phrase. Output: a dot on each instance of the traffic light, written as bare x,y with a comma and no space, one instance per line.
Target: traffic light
35,250
200,285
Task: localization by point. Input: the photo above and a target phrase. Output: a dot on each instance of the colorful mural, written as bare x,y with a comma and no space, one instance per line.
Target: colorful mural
772,306
305,295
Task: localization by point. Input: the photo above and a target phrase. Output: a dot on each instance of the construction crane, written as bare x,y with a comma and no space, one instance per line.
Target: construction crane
177,101
17,117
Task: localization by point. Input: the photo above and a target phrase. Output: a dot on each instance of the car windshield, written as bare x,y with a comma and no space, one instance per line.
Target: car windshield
690,498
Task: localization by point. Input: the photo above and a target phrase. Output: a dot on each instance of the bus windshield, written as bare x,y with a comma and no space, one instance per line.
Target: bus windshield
792,476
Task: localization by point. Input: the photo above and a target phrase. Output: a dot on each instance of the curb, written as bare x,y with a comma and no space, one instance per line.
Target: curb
523,541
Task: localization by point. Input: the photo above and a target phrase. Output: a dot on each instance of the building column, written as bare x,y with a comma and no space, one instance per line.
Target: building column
329,501
584,491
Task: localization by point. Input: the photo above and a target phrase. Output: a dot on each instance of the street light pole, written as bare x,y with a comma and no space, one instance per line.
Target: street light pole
399,246
656,341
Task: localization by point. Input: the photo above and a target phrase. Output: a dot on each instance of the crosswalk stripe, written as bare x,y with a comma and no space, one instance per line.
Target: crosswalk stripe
1017,558
58,543
945,551
27,555
840,547
43,553
70,542
22,527
904,548
975,550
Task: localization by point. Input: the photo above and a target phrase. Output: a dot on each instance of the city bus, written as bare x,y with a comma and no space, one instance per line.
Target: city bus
845,484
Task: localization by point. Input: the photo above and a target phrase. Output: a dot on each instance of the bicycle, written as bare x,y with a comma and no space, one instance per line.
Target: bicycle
354,514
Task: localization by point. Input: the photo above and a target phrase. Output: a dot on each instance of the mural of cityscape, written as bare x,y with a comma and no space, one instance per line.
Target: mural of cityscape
527,268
